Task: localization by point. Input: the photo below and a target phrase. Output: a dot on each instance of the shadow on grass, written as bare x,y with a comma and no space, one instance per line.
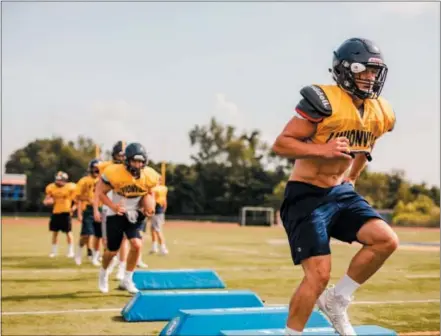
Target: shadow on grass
36,262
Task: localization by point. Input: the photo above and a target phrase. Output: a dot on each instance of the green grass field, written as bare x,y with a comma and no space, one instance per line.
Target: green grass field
403,296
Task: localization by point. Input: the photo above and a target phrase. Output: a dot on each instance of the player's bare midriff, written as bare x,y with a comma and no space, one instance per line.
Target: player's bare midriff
322,173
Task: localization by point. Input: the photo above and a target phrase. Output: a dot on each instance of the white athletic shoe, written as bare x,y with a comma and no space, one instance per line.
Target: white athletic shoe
163,250
103,281
52,255
78,260
335,308
95,262
153,251
141,264
129,286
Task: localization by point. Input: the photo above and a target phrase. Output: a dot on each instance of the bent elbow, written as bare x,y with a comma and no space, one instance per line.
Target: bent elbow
276,146
280,146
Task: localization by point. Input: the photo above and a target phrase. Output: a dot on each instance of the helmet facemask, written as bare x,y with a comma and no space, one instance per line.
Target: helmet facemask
94,170
353,77
135,170
118,157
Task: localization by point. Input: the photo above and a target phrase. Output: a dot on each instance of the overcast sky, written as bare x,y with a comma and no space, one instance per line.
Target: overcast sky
148,72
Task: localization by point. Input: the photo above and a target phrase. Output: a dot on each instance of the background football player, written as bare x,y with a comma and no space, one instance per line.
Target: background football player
158,218
130,202
60,194
118,156
89,227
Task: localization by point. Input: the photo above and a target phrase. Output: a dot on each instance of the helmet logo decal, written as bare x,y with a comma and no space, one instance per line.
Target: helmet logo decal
375,60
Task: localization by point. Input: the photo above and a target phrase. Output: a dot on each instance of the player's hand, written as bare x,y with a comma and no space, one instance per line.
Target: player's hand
118,209
149,212
97,216
337,148
48,201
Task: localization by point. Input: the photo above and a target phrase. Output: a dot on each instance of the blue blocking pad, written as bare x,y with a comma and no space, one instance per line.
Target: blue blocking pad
177,279
210,322
366,330
164,305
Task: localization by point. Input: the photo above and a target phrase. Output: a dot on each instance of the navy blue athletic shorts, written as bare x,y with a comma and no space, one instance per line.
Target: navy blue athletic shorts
311,215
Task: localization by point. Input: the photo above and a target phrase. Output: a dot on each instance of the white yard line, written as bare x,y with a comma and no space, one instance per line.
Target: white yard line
422,276
91,270
102,310
46,312
231,268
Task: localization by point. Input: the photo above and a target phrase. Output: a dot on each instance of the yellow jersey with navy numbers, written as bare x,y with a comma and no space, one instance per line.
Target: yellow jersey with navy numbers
62,196
125,184
86,189
362,130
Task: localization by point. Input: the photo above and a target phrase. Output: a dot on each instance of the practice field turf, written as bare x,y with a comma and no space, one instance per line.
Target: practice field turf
403,296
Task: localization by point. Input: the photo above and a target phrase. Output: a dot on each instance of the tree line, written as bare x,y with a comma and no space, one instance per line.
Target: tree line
229,170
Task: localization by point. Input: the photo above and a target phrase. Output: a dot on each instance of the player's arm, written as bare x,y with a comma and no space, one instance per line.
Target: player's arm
358,164
103,186
78,199
148,204
165,201
309,112
48,200
73,196
79,210
96,204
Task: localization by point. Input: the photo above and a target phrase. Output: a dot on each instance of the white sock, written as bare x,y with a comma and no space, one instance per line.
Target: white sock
70,248
155,246
346,287
79,251
104,271
289,332
54,248
128,276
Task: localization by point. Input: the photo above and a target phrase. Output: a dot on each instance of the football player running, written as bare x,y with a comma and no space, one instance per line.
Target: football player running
331,137
131,200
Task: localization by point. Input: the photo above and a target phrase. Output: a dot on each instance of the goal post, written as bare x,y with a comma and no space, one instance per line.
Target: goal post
259,216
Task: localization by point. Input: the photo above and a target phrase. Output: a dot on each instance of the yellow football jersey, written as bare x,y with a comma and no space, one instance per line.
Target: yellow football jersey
124,184
63,196
151,172
346,121
104,164
86,189
160,192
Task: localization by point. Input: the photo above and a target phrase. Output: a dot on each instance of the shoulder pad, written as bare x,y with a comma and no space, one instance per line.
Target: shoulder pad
314,106
151,177
389,114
